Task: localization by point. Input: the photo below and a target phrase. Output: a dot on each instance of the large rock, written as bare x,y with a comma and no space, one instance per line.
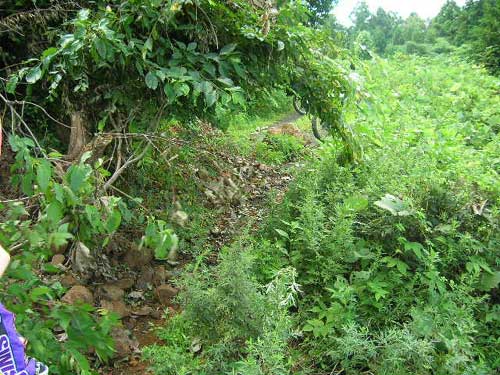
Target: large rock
69,280
161,275
78,294
137,258
143,311
165,293
146,278
58,260
59,249
118,307
111,292
124,283
83,260
124,344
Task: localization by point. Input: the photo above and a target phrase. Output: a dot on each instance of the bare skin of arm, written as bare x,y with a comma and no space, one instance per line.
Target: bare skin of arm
4,260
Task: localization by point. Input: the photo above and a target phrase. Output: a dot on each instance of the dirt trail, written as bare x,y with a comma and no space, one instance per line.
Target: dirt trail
249,184
289,119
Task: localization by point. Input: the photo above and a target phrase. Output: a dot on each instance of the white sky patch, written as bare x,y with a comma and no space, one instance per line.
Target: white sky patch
424,8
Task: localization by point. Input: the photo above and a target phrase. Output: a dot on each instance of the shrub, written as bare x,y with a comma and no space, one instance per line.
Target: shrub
233,322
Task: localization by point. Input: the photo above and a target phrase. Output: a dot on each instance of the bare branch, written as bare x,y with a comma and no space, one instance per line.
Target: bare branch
120,170
20,117
23,102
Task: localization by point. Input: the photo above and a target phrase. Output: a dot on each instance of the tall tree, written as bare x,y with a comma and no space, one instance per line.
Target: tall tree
320,9
414,29
382,26
446,23
360,16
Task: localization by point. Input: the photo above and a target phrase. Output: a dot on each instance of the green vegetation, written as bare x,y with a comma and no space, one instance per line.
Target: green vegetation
397,259
472,29
160,131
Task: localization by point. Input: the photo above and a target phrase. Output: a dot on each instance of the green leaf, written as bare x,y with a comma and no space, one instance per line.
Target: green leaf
169,91
489,281
43,174
176,72
113,222
34,74
27,184
77,176
228,49
100,46
151,81
12,84
282,233
182,89
415,247
40,291
210,69
148,44
394,205
54,212
58,239
356,203
49,52
101,124
227,81
94,217
210,98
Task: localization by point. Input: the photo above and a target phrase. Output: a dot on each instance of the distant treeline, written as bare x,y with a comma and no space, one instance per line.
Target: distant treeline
473,28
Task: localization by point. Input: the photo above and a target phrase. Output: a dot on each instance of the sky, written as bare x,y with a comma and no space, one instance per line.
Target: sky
424,8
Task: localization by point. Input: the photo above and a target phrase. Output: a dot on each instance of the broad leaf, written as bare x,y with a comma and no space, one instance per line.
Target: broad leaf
394,205
34,74
43,174
151,81
228,49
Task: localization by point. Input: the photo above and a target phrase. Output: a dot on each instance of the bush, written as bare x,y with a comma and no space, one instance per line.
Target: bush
279,149
399,271
420,49
441,45
230,322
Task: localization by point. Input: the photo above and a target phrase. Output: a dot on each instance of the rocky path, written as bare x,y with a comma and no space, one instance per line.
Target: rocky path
241,194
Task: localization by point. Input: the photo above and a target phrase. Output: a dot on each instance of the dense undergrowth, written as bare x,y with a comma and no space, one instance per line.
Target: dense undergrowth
121,116
388,267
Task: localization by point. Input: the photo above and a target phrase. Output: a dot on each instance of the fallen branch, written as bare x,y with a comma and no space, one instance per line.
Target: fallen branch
120,170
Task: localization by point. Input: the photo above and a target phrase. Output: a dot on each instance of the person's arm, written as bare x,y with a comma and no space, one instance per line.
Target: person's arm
4,260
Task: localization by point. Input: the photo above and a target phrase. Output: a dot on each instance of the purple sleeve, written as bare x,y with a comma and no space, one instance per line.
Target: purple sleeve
12,357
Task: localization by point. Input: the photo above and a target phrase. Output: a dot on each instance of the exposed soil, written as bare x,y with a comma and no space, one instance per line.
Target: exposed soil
128,281
248,184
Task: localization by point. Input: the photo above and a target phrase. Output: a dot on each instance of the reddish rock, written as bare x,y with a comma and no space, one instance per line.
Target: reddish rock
117,307
78,294
124,345
161,275
157,314
58,260
165,293
143,311
146,278
111,292
69,280
137,259
124,283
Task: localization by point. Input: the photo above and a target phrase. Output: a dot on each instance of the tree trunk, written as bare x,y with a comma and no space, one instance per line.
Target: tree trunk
78,136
